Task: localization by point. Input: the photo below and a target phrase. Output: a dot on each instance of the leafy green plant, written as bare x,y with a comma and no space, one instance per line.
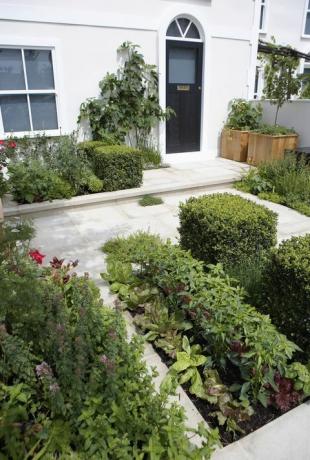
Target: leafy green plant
186,366
225,228
287,289
149,200
161,327
128,106
230,412
280,74
32,181
118,166
274,130
244,115
284,181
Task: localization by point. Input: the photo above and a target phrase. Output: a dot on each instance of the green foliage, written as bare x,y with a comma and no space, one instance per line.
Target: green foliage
66,368
149,200
244,115
275,130
284,181
225,228
31,181
301,376
281,81
233,330
287,287
119,167
249,272
186,366
128,106
46,169
3,185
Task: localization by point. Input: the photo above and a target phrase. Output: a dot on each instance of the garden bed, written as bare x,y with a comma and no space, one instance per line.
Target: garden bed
233,363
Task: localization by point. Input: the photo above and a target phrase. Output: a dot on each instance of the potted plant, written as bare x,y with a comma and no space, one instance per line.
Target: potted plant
242,118
281,83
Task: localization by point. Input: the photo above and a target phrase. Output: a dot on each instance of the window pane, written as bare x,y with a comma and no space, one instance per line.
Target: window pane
39,68
307,30
11,69
15,115
43,111
192,32
182,65
262,16
173,30
183,22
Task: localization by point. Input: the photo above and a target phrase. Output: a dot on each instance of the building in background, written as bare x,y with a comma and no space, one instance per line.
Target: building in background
54,53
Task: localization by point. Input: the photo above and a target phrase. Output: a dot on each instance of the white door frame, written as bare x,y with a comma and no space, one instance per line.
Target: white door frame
200,21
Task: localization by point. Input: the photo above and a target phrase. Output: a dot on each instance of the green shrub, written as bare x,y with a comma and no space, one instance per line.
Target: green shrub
284,181
89,146
3,185
32,181
225,228
287,288
149,200
66,369
244,115
119,166
232,329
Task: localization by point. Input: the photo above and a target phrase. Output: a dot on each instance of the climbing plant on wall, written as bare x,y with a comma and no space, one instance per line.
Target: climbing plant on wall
128,107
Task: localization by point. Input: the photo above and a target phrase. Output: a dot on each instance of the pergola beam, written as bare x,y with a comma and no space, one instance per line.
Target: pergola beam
269,48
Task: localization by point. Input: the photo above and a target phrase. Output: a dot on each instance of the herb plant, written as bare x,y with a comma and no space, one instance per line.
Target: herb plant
244,115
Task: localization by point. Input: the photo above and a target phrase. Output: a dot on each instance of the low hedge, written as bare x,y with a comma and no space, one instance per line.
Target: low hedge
89,146
119,166
225,228
287,288
233,330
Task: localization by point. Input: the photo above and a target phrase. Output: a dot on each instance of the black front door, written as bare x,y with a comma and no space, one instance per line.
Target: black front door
184,76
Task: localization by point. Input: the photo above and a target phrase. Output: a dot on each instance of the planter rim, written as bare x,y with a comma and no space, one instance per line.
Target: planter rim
273,135
237,130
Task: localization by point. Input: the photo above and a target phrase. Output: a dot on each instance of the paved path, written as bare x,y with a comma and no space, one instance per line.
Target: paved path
79,233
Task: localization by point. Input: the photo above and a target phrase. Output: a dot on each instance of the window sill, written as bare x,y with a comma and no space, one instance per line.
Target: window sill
305,36
262,32
47,133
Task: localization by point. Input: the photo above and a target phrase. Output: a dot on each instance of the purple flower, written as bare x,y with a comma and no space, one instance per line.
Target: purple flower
43,370
54,388
106,362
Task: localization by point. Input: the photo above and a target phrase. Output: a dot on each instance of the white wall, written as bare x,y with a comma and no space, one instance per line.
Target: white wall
87,34
295,114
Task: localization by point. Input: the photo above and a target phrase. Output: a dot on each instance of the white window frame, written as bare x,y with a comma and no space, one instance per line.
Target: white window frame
183,37
23,44
306,11
263,7
257,95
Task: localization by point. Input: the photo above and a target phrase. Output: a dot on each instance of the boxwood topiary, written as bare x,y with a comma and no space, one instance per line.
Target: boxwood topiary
225,228
287,288
119,166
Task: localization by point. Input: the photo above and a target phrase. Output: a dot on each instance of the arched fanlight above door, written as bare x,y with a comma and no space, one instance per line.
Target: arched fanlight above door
183,28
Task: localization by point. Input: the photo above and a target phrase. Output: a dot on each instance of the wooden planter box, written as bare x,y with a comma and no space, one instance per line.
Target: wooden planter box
263,147
234,144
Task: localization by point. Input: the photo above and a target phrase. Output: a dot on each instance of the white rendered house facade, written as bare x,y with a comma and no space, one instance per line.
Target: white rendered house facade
53,53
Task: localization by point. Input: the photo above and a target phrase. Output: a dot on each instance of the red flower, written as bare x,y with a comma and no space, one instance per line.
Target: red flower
36,256
1,142
11,145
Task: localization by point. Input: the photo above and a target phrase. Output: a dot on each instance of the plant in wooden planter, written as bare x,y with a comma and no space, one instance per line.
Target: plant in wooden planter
281,83
242,118
270,142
